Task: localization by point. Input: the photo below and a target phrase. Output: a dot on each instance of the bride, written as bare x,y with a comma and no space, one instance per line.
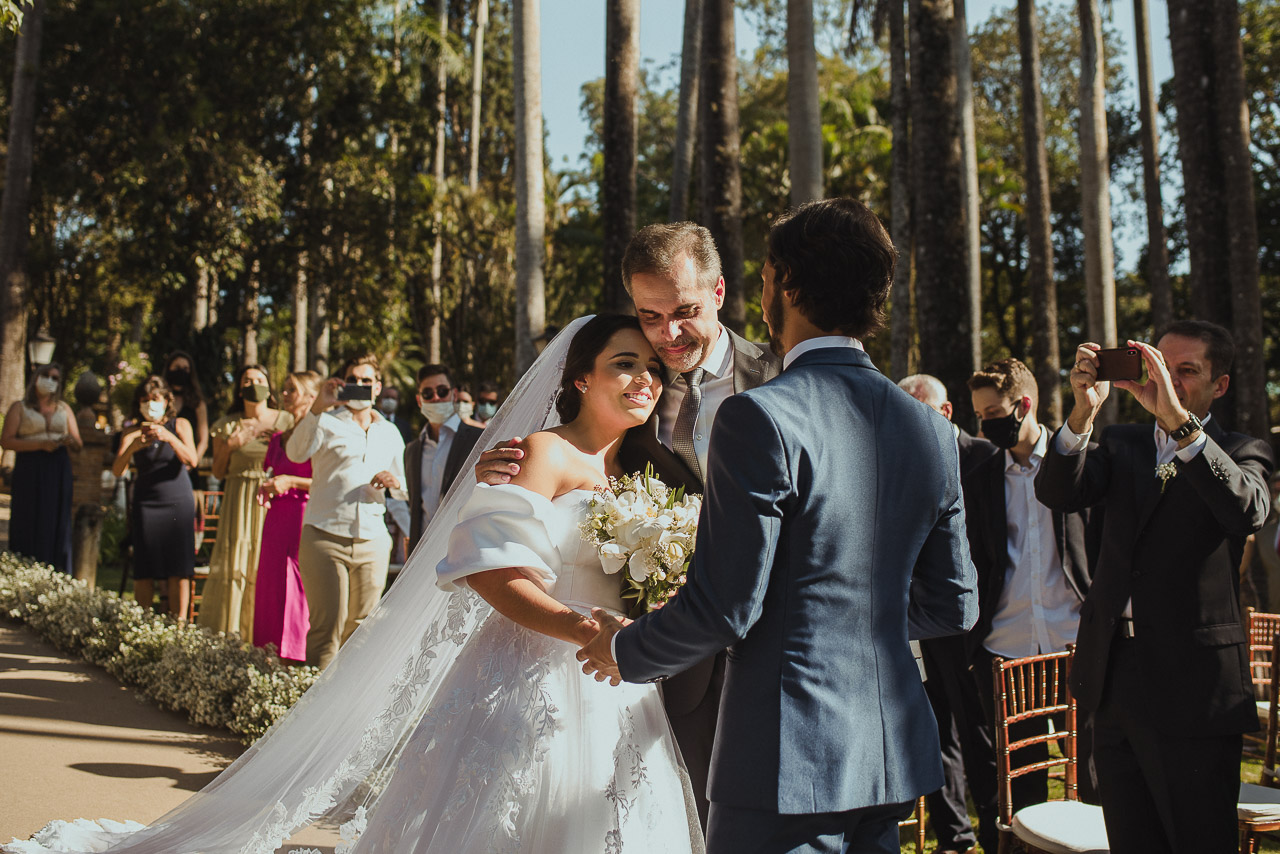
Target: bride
456,718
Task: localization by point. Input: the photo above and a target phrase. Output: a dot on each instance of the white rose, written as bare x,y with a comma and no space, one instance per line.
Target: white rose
673,554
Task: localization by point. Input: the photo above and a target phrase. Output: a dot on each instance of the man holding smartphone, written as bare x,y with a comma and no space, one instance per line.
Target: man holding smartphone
1161,658
356,459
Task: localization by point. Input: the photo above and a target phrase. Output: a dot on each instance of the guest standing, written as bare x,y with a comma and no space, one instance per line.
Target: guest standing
239,447
160,448
188,400
39,429
280,614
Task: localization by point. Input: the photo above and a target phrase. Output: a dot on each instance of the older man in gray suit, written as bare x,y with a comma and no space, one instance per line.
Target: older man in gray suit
832,531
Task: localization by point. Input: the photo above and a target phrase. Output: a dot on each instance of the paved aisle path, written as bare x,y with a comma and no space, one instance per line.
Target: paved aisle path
74,743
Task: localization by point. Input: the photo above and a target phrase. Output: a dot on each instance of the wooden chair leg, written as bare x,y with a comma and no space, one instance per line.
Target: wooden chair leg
920,825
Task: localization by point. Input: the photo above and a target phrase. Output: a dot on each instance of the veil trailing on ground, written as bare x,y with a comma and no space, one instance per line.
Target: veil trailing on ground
328,756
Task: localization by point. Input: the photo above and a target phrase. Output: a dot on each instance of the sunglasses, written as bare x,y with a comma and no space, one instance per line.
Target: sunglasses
360,380
440,391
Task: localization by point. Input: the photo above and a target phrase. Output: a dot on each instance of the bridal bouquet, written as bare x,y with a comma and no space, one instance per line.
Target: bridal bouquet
637,522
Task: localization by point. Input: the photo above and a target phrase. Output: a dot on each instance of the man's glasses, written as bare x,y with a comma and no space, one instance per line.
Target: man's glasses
360,380
439,392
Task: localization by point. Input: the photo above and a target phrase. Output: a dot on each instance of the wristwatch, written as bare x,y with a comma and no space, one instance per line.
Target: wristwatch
1191,425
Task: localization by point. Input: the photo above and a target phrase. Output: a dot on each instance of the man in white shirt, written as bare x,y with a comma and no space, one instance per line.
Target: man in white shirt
356,457
1033,570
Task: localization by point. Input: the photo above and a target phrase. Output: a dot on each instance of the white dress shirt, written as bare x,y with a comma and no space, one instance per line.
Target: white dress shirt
717,387
817,344
344,459
435,455
1038,611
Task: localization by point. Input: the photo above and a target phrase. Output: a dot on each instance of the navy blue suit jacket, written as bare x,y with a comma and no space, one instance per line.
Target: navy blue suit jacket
832,530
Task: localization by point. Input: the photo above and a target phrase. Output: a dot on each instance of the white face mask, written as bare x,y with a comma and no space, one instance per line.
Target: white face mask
387,406
437,412
359,405
465,408
154,410
47,385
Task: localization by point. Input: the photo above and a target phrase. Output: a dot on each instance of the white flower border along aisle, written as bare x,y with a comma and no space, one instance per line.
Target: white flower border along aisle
217,680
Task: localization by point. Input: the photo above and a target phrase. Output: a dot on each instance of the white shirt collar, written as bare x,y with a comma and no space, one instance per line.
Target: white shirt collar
452,423
1037,453
720,358
817,344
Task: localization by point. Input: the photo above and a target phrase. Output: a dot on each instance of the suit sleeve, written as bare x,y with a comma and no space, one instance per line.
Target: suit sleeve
748,487
944,584
1070,483
1233,485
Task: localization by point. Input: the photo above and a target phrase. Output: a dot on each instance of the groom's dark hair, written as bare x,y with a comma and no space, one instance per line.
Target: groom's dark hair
837,258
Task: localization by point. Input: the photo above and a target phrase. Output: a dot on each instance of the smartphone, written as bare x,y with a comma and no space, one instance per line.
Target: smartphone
355,391
1119,363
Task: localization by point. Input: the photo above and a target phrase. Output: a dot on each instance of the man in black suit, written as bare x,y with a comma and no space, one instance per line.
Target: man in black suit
433,459
672,271
966,743
1162,658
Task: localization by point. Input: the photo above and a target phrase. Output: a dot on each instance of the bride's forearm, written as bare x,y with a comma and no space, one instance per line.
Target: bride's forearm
514,595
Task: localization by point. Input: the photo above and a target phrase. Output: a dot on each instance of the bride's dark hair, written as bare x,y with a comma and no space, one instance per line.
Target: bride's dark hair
581,358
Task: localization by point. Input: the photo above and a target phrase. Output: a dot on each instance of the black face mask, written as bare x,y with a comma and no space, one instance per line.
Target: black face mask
1003,432
178,378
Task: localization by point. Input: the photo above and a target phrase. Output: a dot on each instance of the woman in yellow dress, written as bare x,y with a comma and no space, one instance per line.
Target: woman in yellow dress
240,442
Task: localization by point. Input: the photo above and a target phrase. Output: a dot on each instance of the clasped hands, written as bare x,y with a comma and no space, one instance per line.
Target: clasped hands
597,653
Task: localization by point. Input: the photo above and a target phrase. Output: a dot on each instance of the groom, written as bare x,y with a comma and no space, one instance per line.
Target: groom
832,530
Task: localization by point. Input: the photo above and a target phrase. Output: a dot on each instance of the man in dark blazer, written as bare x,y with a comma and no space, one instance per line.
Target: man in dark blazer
965,740
832,530
1162,659
445,442
672,272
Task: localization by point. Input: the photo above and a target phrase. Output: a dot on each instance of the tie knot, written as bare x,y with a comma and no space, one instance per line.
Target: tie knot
693,379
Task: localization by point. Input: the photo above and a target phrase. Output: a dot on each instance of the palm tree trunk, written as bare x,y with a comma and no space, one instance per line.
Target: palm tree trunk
1040,280
969,178
687,111
15,215
531,205
723,216
804,116
200,308
250,312
437,252
618,185
901,321
942,309
1157,240
298,353
477,88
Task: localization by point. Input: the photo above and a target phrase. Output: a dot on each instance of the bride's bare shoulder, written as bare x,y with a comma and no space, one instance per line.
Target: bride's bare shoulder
548,460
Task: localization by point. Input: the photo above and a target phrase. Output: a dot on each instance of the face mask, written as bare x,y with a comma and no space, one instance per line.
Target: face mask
387,406
154,410
1003,432
254,393
359,405
178,379
437,412
485,411
465,409
47,385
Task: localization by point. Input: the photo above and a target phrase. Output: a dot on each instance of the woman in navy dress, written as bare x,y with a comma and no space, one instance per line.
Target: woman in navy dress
160,448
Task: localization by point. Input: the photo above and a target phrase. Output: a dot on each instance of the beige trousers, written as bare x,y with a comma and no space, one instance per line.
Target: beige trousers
343,579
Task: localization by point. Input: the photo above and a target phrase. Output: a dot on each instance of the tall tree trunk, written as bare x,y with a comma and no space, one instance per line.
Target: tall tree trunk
1040,281
687,111
15,215
1157,240
531,204
298,354
804,114
251,313
318,320
477,89
1095,189
1251,411
901,320
200,309
968,177
724,171
942,309
437,252
618,186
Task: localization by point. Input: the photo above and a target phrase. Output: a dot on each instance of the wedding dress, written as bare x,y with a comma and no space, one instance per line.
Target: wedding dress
442,726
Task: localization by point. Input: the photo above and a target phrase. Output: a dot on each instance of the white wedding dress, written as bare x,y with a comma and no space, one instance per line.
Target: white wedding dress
442,726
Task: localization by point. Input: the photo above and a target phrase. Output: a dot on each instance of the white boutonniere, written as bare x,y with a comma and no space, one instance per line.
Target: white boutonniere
1166,472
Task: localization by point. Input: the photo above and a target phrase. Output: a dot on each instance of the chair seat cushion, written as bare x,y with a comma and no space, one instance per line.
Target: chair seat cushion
1062,827
1258,802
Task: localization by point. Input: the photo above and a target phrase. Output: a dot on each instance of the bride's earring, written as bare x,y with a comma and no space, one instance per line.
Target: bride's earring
582,387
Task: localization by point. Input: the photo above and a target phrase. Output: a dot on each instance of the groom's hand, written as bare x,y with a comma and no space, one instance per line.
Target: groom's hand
598,653
498,464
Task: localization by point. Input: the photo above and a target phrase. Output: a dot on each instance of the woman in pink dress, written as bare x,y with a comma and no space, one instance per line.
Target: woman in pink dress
280,613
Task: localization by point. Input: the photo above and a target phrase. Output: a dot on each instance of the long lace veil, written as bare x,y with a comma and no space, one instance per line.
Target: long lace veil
327,754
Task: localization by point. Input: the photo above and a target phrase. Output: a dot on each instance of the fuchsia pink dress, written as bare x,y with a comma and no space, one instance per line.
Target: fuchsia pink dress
280,613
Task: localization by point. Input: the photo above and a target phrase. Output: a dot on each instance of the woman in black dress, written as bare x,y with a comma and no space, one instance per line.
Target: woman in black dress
160,448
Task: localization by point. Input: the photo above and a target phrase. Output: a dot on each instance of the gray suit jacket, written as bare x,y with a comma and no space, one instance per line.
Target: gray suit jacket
832,530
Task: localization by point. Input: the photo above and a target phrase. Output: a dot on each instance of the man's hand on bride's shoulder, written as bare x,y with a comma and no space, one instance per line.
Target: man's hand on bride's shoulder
597,654
499,463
